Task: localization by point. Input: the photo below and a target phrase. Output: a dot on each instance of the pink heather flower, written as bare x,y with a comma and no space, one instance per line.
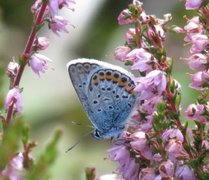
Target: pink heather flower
125,17
121,52
147,174
14,170
58,24
139,143
175,150
184,172
38,63
66,2
149,105
197,112
172,134
35,7
153,84
194,25
42,43
129,36
144,18
199,43
127,166
167,169
143,60
53,7
205,144
200,80
198,62
193,4
157,157
155,33
177,29
12,69
14,97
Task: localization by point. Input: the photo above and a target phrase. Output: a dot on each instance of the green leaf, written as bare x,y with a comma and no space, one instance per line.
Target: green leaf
40,169
204,176
10,142
25,135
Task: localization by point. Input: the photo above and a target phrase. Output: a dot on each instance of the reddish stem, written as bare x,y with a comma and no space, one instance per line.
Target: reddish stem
25,56
137,31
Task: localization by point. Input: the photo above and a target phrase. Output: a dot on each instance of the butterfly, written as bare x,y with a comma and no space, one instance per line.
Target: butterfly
106,93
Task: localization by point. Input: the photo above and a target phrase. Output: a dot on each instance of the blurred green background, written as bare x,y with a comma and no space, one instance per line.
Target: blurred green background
50,101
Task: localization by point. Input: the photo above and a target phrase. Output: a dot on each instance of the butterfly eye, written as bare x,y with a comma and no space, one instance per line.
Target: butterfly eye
97,134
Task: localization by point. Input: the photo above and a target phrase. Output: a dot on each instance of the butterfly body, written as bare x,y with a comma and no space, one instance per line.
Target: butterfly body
106,93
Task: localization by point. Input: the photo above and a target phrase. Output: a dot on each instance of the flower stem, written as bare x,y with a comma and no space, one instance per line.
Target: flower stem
25,55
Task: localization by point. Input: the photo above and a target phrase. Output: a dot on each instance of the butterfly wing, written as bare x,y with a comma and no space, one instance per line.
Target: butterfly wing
106,92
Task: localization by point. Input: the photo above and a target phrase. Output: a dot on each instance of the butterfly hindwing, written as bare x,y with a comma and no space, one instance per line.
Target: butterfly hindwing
106,92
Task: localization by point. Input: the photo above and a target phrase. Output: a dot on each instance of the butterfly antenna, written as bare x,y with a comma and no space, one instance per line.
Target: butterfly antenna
76,123
79,141
79,124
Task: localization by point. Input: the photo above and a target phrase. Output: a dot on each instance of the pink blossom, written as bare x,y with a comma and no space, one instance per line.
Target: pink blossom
129,36
172,134
53,7
184,172
121,52
144,18
14,170
140,122
41,43
125,17
193,4
199,43
12,69
175,150
193,27
167,168
156,34
197,112
58,24
38,63
35,7
147,174
139,140
143,60
205,144
127,166
157,157
66,3
198,62
200,80
139,143
177,29
14,97
153,84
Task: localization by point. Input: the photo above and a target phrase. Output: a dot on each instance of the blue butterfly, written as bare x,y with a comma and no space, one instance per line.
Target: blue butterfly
106,93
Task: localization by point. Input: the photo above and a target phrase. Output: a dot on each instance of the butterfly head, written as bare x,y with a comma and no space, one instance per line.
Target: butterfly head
110,134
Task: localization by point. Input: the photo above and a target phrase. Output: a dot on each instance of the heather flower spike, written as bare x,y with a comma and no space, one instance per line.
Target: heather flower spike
157,145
